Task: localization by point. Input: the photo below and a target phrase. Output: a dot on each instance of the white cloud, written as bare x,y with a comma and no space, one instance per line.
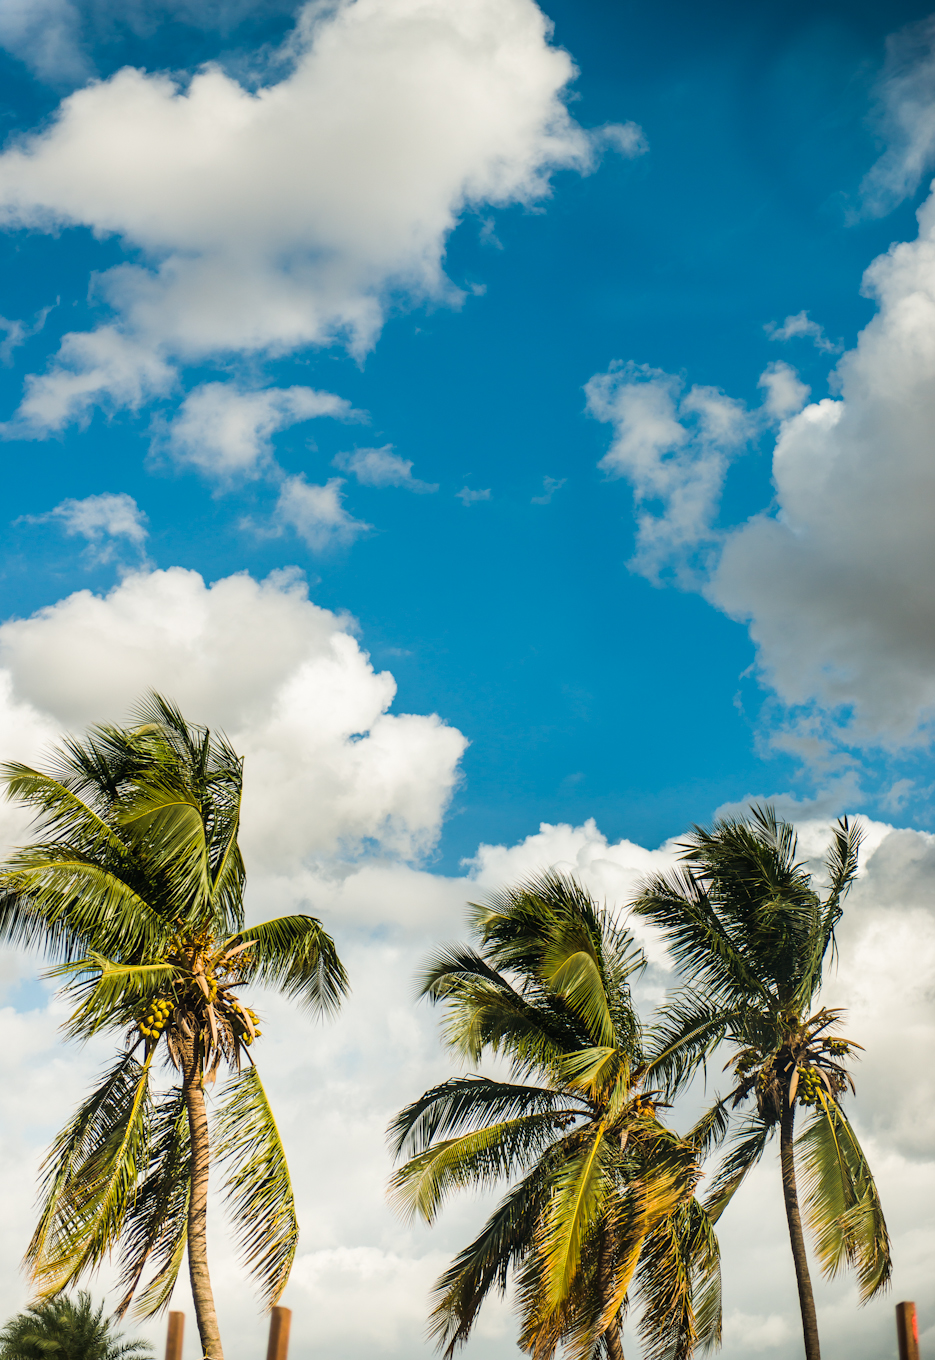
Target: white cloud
786,394
467,496
800,326
99,520
316,513
288,216
836,585
628,139
92,368
331,768
382,467
674,450
906,114
225,431
549,487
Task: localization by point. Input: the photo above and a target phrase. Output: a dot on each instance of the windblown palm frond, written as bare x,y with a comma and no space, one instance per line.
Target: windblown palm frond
751,932
134,890
597,1175
258,1186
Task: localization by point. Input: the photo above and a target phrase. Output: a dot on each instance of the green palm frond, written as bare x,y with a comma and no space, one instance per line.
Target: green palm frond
688,1030
163,819
581,1188
91,1174
842,1207
745,1151
70,904
485,1264
571,970
156,1225
479,1158
108,992
297,956
470,1103
60,810
258,1187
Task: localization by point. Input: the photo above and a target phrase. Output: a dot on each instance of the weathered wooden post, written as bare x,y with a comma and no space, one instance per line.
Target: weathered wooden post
907,1331
280,1319
174,1336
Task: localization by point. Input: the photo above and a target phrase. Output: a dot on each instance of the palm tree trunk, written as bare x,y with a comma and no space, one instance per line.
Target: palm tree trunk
198,1208
605,1275
796,1236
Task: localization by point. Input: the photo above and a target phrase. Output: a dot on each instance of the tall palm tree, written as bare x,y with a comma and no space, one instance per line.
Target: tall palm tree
604,1199
747,926
135,889
64,1328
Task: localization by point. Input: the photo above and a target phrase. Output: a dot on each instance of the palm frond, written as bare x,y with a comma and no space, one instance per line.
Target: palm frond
480,1158
467,1103
296,955
679,1281
842,1207
109,992
686,1032
258,1188
156,1225
745,1151
90,1177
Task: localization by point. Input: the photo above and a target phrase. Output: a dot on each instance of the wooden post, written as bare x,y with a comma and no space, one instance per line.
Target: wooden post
174,1336
279,1323
907,1331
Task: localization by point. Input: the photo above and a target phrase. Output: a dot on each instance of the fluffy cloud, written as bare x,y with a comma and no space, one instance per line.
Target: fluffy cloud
101,521
802,327
382,467
468,496
316,513
330,767
674,450
835,584
225,431
287,216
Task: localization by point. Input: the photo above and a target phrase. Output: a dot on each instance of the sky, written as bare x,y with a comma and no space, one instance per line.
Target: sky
513,425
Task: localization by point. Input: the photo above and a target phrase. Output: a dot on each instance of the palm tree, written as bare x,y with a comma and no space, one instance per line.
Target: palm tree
135,888
67,1329
605,1196
746,924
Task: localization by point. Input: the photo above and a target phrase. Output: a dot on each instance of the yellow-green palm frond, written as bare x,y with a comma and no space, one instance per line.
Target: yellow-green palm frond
297,956
479,1158
156,1226
258,1187
90,1177
571,969
679,1282
842,1207
583,1187
109,993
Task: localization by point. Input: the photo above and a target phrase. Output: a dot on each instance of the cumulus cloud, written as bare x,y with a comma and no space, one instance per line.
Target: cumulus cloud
674,450
906,117
801,327
785,392
835,584
383,467
225,431
101,520
46,36
288,216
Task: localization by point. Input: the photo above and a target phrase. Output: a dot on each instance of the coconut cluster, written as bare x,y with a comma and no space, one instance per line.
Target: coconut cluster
154,1021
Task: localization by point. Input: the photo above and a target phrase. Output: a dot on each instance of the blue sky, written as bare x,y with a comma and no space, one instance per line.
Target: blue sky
539,347
584,689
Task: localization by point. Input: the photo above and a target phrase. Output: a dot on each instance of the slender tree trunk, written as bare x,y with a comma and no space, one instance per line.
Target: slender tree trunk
796,1236
198,1209
606,1277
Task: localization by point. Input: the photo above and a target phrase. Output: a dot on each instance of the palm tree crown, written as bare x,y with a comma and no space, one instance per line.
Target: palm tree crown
67,1329
604,1198
747,926
135,890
